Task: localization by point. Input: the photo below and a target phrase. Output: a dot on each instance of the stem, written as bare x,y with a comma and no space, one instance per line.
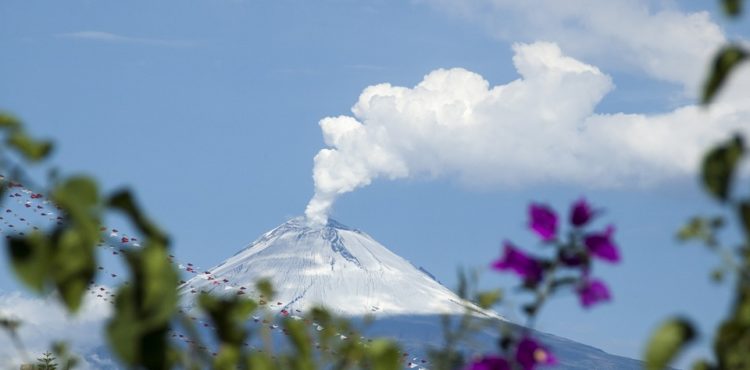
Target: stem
541,297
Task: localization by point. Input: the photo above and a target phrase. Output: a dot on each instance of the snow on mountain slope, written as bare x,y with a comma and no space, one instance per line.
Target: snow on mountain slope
353,275
332,265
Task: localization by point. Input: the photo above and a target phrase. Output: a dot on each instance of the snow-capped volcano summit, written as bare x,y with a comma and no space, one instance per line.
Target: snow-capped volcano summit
332,265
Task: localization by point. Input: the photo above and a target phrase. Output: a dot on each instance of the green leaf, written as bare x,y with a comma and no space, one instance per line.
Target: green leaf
138,330
228,358
719,167
73,266
73,244
124,329
157,282
489,298
667,341
717,275
384,355
696,228
725,61
265,288
125,202
77,191
702,365
9,122
65,259
229,316
133,337
260,361
79,197
31,149
298,336
731,342
701,229
732,8
744,213
30,259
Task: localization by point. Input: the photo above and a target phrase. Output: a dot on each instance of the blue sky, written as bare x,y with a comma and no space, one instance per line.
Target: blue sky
210,111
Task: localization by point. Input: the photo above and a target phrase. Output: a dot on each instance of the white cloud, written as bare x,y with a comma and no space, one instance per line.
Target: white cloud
540,128
650,37
114,38
44,321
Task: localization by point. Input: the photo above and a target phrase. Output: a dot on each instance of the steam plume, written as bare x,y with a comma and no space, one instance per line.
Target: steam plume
539,128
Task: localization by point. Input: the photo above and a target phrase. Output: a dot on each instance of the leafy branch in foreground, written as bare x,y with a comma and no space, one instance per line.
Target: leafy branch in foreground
726,60
732,337
62,261
718,173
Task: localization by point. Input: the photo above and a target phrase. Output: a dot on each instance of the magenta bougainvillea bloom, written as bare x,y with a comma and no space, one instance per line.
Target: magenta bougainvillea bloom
489,362
581,213
529,354
601,245
543,221
592,292
517,261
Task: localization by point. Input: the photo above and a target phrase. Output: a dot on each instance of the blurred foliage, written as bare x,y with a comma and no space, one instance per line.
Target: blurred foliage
138,330
719,167
704,229
732,7
726,60
668,340
66,360
16,138
732,338
720,164
63,261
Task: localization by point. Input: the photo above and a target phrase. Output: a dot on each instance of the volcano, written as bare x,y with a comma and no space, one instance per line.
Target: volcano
352,275
335,266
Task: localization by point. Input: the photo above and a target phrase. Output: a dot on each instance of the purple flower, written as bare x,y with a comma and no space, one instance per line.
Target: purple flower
592,292
489,362
517,261
543,221
529,354
581,213
602,246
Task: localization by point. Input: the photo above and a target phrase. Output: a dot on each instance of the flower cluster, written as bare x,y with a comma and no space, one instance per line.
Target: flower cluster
574,253
571,266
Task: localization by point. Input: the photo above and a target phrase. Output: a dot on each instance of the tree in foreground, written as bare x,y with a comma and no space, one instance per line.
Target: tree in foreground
46,362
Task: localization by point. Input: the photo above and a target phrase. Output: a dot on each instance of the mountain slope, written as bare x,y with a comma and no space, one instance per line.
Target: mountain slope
332,265
353,275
